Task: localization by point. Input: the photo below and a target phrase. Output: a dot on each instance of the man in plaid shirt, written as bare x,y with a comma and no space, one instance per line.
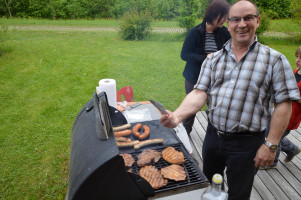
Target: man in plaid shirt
239,83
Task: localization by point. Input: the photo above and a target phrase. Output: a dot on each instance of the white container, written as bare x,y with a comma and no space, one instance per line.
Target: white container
109,87
215,192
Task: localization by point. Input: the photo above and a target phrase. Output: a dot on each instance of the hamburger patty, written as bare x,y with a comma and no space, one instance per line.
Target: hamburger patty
148,156
173,156
174,172
128,159
153,176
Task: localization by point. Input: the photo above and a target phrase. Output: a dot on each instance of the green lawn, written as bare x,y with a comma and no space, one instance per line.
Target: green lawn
47,78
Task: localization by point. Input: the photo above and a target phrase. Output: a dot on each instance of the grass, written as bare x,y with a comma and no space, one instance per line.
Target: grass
286,25
278,25
96,22
48,77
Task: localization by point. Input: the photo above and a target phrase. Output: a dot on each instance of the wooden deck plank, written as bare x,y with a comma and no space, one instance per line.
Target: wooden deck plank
292,166
271,185
296,134
284,181
196,144
261,189
280,184
292,184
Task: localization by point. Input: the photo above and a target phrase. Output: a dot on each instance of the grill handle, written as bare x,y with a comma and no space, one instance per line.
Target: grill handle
102,117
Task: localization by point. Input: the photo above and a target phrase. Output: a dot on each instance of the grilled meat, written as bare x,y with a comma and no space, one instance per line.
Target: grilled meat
147,156
173,156
128,159
174,172
153,176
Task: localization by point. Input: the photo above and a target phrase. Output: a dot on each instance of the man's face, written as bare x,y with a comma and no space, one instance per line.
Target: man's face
243,23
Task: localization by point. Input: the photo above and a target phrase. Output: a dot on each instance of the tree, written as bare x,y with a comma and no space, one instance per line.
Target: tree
188,14
275,9
165,9
121,6
7,3
295,8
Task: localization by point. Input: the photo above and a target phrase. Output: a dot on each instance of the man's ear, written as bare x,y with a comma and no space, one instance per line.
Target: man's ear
258,21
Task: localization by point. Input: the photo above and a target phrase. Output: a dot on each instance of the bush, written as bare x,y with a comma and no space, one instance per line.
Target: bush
264,23
135,25
275,9
188,14
187,22
295,8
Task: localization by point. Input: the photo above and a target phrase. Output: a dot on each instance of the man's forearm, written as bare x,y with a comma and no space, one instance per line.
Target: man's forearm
279,122
192,103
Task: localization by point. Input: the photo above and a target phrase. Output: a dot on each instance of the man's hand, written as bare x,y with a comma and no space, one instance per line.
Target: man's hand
170,120
264,156
192,103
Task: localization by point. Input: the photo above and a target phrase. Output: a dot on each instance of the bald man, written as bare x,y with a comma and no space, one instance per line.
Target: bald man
240,84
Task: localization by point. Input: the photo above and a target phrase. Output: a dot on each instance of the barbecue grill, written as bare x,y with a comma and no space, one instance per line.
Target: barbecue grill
97,171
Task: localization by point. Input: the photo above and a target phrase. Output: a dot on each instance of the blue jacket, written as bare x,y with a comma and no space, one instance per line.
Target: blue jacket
193,50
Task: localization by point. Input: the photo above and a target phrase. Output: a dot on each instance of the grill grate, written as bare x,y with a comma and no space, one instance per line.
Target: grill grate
194,175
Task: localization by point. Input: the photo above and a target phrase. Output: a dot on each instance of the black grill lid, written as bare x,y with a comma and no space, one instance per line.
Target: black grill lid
96,169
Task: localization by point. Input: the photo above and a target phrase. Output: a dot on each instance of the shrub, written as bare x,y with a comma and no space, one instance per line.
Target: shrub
188,14
275,9
135,25
264,23
295,8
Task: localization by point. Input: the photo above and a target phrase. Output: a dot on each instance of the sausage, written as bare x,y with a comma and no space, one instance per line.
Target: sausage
127,144
145,134
136,130
119,128
122,139
123,133
148,142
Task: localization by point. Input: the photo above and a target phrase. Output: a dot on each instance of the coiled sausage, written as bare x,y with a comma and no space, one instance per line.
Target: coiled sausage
136,130
145,134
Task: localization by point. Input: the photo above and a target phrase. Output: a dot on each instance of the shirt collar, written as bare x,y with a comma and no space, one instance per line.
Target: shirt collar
227,45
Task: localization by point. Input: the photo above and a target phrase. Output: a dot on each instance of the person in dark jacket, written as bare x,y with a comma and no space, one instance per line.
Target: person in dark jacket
202,40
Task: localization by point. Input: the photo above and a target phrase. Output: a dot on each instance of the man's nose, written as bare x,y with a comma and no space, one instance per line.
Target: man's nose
242,22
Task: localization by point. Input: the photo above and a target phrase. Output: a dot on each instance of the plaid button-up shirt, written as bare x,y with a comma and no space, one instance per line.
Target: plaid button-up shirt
240,93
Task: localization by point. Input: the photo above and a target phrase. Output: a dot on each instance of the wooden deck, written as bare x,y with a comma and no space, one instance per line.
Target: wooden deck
282,183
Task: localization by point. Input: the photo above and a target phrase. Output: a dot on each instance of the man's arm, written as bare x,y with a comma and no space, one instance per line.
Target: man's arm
192,103
279,122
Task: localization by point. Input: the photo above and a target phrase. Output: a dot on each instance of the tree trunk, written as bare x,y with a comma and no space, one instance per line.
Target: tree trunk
7,2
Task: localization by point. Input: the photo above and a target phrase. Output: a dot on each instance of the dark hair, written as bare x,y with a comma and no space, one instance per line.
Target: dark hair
252,2
217,8
298,52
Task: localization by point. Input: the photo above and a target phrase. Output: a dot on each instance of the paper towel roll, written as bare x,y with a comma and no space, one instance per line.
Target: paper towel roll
109,87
